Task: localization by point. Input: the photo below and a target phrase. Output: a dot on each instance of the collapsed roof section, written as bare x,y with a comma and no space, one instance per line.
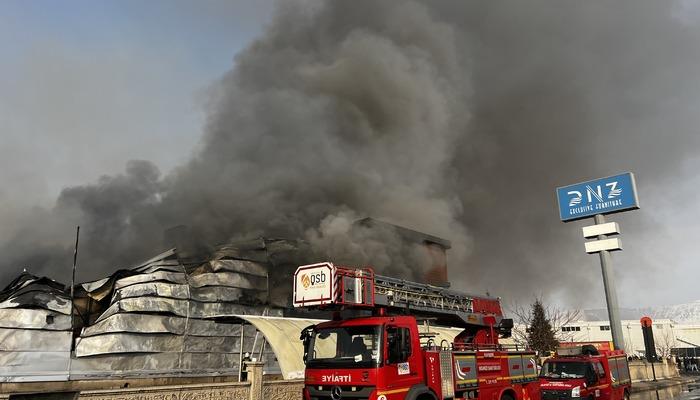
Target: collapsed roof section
32,292
182,315
164,316
34,319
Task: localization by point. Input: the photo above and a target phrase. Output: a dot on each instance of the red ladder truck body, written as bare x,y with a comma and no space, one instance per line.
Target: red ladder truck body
381,354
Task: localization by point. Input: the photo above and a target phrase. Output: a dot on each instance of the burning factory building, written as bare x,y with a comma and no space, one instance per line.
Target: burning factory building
181,313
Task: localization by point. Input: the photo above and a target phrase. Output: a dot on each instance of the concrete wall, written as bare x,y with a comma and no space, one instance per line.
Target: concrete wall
282,390
214,391
641,370
255,388
82,385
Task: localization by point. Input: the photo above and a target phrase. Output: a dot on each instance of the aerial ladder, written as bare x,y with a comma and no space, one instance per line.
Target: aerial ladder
329,287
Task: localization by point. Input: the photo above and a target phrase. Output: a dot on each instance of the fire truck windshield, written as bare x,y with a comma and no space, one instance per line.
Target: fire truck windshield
345,347
564,369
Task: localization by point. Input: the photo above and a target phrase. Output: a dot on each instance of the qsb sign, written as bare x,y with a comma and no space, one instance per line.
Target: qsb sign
600,196
314,284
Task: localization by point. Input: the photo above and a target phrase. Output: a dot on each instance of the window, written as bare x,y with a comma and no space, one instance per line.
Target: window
564,369
623,369
399,344
599,369
605,327
614,374
570,328
345,347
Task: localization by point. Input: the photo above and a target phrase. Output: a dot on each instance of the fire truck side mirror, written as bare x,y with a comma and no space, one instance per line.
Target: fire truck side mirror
305,337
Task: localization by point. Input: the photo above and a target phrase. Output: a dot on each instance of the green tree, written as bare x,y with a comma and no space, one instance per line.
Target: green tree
540,334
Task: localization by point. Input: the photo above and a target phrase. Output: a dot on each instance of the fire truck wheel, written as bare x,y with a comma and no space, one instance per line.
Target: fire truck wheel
507,396
627,395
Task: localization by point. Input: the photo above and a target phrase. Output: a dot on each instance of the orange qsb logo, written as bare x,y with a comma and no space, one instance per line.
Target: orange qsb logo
306,281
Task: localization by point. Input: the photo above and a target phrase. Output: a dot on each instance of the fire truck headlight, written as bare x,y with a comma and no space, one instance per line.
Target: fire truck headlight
576,392
381,397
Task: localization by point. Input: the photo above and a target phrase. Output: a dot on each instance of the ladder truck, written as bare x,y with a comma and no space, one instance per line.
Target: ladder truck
379,352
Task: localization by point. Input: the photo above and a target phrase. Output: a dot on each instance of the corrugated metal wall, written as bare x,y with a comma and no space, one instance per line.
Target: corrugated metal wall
175,319
160,318
35,330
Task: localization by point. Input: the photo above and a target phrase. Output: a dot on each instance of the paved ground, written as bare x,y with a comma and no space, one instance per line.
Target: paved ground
663,383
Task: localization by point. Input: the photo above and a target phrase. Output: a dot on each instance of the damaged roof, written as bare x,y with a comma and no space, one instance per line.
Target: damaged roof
35,329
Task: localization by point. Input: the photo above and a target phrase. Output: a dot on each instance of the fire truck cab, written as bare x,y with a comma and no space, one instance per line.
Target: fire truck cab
357,356
584,373
381,354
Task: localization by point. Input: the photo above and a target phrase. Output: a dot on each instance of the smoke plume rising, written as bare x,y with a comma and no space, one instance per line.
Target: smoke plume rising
458,119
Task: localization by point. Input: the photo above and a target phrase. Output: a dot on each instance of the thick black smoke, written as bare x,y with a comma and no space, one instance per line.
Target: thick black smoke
458,119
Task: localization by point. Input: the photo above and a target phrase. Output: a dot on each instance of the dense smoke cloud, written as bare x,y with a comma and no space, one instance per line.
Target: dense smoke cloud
458,119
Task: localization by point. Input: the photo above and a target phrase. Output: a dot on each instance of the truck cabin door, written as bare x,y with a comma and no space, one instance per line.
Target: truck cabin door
592,380
402,367
601,389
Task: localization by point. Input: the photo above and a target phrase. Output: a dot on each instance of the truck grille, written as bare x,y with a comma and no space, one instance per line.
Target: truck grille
347,392
556,394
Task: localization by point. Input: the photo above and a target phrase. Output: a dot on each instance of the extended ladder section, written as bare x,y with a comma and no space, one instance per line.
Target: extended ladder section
327,286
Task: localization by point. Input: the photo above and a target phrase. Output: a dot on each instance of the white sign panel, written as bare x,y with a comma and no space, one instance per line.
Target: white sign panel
600,245
314,285
610,228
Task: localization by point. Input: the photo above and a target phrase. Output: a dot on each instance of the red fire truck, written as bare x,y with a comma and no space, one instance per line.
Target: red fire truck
379,353
583,372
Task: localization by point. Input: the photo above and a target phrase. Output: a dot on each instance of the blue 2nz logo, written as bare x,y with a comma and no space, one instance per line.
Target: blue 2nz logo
597,193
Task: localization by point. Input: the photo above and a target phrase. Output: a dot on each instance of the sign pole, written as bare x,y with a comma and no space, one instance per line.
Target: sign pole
610,293
594,199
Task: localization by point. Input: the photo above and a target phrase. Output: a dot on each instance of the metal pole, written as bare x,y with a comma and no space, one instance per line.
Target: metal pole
72,301
262,350
72,281
610,293
629,337
255,341
240,355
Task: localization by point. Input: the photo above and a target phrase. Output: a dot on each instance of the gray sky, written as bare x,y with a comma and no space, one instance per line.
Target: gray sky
85,87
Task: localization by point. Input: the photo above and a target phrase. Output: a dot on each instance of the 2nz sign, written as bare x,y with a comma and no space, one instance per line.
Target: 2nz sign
600,196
